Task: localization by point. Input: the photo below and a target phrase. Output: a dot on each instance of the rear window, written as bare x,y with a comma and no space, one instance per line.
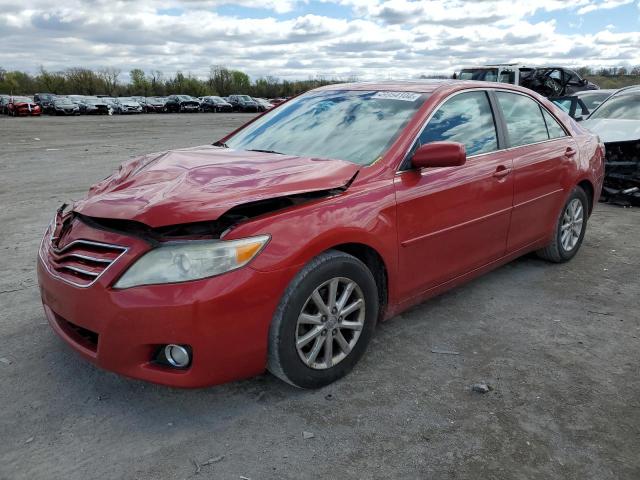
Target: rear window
553,127
525,123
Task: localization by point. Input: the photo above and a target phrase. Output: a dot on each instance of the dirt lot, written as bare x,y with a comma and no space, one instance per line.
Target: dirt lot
559,343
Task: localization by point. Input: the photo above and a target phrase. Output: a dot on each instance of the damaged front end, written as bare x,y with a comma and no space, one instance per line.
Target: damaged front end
213,229
622,173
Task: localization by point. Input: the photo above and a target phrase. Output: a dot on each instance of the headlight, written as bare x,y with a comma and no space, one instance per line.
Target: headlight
191,260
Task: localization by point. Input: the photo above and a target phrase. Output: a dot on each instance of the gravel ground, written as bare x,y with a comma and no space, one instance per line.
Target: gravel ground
560,344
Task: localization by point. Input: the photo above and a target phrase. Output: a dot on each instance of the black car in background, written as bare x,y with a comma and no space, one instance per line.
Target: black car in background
45,100
243,103
154,104
215,104
85,108
555,81
63,106
182,103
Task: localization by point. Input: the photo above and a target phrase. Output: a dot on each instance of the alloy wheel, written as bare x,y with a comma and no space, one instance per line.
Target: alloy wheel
571,227
330,323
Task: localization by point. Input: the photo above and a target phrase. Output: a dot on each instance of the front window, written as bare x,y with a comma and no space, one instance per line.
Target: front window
356,126
620,107
465,118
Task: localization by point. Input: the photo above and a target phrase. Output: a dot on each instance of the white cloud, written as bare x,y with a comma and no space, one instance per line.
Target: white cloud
383,39
603,5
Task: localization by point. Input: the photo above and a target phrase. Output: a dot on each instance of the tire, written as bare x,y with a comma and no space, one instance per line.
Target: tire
560,250
285,360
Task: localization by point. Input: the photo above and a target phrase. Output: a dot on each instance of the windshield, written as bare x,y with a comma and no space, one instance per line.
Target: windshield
564,104
22,99
592,100
622,107
185,97
357,126
484,74
245,98
63,101
93,101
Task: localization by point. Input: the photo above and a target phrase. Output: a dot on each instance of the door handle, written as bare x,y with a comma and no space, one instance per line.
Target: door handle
501,172
570,152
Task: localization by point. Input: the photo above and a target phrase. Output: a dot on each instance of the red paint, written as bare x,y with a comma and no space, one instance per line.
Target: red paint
23,109
433,228
439,154
202,183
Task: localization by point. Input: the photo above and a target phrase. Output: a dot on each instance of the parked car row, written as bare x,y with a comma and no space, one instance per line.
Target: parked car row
48,103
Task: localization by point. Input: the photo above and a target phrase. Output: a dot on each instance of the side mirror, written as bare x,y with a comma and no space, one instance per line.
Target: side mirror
439,154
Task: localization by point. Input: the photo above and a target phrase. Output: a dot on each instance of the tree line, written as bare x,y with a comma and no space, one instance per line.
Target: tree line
220,81
108,81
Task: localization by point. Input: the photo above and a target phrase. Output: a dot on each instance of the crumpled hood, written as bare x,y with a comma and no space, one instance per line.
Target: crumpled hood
614,130
202,183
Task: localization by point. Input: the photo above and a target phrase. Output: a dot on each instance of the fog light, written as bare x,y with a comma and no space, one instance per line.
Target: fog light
177,355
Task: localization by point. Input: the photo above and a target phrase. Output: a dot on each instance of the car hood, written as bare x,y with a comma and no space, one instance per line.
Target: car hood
202,183
613,130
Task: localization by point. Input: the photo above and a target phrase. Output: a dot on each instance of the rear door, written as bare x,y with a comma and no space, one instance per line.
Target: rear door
452,220
542,154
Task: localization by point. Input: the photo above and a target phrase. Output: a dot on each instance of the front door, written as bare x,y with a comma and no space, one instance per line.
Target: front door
455,219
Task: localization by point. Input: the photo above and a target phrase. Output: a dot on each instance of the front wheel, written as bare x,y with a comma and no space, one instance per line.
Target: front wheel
324,322
570,229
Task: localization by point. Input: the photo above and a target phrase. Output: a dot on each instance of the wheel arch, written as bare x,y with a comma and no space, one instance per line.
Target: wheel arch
589,189
376,265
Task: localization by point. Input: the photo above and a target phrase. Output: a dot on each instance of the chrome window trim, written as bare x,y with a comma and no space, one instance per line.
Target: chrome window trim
86,242
482,89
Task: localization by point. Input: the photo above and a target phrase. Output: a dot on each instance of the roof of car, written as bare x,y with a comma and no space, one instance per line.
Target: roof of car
589,93
418,86
630,88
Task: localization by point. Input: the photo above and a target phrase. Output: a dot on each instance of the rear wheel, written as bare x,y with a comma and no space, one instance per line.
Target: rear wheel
324,321
570,229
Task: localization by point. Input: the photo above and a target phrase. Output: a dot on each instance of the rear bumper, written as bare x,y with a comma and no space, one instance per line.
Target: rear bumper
224,319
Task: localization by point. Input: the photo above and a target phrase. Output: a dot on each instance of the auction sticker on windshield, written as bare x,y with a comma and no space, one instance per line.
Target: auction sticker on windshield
404,96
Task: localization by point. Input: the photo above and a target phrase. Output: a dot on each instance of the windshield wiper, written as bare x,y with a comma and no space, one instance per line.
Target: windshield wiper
264,151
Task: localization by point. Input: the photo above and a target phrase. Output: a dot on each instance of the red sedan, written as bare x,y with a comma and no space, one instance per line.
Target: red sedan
23,107
281,246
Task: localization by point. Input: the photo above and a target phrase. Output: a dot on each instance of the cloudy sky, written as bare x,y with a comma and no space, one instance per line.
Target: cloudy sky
302,38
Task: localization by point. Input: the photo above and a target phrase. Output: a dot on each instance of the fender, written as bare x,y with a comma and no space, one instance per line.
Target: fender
298,234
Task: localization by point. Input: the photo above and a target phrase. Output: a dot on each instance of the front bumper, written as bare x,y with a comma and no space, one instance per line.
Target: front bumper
25,112
224,319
